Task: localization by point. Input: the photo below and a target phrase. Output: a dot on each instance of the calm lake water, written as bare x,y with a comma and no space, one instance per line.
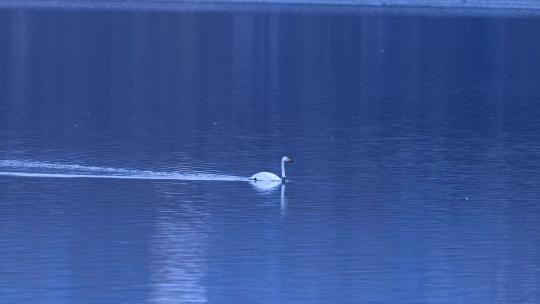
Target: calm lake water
416,143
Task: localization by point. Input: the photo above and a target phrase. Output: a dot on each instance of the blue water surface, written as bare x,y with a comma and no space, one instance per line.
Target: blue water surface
126,138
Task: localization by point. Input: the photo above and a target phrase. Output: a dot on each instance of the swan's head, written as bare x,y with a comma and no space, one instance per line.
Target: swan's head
286,159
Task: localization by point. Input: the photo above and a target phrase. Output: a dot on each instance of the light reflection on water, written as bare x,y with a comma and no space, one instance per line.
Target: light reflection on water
178,251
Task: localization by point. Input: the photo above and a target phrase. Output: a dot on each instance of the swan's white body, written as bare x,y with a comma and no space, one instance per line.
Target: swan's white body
271,177
265,176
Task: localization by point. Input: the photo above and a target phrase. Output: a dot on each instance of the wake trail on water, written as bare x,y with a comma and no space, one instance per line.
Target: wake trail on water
23,168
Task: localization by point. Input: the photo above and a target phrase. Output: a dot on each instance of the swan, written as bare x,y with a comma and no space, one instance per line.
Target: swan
271,177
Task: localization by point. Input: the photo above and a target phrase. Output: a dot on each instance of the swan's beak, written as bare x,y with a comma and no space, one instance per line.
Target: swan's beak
290,160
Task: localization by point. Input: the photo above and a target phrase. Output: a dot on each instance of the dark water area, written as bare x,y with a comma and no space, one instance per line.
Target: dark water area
415,139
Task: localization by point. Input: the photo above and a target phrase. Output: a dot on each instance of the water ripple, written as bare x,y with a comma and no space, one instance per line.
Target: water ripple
21,168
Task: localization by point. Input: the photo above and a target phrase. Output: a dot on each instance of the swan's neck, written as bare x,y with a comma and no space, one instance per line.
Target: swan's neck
283,170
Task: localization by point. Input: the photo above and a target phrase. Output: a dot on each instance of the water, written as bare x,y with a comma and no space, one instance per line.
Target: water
126,138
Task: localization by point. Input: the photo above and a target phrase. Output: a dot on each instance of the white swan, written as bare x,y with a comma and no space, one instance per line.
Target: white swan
271,177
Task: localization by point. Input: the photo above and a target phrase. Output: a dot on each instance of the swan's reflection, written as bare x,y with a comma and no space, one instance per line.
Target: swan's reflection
283,201
268,187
